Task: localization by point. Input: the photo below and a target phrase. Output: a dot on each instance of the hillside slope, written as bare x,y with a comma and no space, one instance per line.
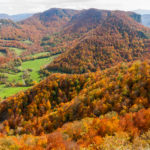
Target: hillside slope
88,19
63,29
39,25
63,98
35,29
116,38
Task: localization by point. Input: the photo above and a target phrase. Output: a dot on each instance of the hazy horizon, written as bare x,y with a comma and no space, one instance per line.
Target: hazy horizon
13,7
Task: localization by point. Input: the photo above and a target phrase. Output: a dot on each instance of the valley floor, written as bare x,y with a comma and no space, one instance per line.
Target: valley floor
34,66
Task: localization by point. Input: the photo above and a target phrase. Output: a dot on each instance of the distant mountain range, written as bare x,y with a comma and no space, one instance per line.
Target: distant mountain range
145,16
146,20
142,11
18,17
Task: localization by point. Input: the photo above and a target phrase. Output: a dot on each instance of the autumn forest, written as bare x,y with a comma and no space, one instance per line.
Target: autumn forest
75,80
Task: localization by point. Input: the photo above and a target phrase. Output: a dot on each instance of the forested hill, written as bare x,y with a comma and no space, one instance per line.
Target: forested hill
59,30
86,80
106,38
59,99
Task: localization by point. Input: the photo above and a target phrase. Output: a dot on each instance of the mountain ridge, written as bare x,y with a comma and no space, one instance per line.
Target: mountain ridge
16,18
115,25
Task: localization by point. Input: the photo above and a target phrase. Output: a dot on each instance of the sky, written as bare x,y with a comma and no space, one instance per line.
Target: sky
33,6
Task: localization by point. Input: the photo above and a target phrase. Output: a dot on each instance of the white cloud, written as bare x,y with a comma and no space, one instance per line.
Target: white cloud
32,6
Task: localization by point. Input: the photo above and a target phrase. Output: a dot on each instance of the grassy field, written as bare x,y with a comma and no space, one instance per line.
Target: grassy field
39,54
18,51
9,91
27,42
34,65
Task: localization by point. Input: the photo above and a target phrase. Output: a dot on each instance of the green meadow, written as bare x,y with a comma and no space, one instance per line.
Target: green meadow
34,66
18,51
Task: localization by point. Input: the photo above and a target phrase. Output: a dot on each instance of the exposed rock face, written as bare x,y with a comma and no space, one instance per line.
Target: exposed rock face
136,17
